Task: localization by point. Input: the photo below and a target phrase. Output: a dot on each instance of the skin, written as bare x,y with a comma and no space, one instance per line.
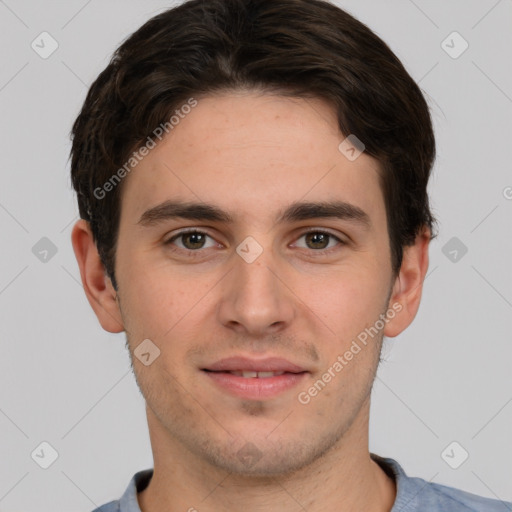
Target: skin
253,154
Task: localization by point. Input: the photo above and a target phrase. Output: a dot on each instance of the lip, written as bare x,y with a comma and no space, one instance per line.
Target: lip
255,388
269,364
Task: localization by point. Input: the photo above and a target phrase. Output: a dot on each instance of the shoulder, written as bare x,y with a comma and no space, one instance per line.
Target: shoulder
442,497
417,495
113,506
128,501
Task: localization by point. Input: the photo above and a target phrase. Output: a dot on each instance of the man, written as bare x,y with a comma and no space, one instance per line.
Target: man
252,183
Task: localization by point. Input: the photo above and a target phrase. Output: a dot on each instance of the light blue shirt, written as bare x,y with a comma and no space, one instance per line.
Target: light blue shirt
413,494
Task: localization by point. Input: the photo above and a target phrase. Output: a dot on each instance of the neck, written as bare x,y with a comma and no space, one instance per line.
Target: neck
343,479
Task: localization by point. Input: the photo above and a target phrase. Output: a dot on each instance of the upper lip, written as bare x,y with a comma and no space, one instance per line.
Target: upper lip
270,364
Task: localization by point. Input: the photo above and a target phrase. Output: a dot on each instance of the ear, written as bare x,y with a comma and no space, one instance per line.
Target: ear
406,295
97,286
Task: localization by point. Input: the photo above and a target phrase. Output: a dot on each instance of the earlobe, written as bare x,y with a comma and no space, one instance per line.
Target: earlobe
97,285
408,285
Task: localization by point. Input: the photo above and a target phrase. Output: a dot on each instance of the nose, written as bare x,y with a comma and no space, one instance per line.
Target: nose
256,299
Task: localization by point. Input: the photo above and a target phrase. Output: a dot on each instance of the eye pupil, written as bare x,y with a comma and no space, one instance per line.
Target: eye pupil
318,238
196,240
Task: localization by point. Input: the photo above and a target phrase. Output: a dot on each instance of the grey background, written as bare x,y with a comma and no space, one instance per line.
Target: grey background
67,382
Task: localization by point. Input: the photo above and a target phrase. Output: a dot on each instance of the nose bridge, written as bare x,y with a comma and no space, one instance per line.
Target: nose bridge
254,298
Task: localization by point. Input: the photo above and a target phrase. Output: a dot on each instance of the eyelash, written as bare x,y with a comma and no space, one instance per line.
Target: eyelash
194,253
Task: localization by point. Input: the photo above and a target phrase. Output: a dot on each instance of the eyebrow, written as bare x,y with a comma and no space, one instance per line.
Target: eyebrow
295,212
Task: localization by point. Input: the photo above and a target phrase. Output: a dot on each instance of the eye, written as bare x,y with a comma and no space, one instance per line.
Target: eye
191,240
320,241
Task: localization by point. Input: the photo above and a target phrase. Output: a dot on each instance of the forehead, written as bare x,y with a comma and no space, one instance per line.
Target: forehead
251,154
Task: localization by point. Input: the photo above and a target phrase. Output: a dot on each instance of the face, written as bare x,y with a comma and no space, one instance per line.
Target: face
243,264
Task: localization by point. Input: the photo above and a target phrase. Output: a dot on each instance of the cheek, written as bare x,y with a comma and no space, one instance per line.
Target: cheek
163,389
159,303
347,300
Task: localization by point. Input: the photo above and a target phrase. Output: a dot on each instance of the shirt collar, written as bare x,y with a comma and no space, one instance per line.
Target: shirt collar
128,502
406,488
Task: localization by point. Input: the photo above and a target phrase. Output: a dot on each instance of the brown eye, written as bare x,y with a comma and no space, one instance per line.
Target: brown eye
191,240
317,240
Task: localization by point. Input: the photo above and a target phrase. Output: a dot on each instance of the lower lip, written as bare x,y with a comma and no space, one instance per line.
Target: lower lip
256,388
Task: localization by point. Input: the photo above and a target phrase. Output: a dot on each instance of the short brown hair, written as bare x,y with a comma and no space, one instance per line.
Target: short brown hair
303,48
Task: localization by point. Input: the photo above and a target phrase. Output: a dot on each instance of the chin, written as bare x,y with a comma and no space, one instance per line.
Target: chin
262,458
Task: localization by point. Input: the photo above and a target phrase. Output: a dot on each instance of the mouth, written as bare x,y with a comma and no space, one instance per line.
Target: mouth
247,364
255,379
248,374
